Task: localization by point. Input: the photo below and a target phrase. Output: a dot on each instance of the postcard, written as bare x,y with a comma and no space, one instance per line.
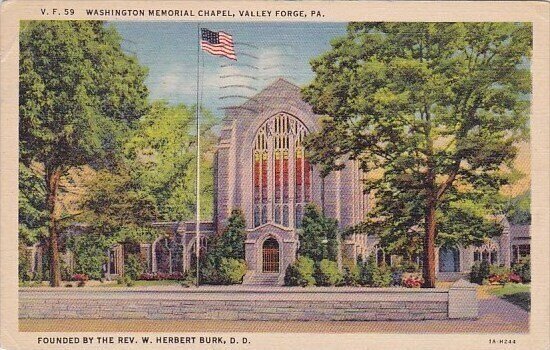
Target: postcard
274,175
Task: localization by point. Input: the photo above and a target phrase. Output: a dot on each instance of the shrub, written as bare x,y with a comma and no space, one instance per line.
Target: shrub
65,271
125,280
146,276
37,276
318,235
484,269
300,273
366,272
523,269
231,271
133,266
373,275
209,271
382,277
292,276
231,242
498,270
397,276
80,278
409,266
351,276
495,279
188,281
220,271
327,274
474,273
89,252
479,272
169,276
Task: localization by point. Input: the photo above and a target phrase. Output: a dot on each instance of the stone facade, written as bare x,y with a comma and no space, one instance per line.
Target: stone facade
261,169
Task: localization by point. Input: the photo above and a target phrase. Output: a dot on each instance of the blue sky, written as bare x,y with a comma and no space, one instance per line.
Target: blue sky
169,50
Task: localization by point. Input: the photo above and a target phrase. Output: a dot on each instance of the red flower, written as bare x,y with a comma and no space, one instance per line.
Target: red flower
514,278
412,282
494,279
80,277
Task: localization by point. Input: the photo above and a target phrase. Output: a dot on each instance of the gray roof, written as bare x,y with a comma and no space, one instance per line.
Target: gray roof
280,91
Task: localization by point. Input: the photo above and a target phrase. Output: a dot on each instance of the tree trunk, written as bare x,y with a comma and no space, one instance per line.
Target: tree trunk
52,179
428,269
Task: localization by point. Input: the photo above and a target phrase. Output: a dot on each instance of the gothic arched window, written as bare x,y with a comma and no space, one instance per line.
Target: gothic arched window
282,175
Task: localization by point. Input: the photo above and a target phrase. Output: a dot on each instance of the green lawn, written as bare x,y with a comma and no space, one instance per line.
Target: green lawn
518,294
32,284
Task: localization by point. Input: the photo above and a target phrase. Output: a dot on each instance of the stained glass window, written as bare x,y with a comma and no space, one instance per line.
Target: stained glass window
279,166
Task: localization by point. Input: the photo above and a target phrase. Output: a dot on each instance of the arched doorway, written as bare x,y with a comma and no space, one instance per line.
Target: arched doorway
449,259
270,256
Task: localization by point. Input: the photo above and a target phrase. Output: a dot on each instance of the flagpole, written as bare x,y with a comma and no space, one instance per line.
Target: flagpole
197,184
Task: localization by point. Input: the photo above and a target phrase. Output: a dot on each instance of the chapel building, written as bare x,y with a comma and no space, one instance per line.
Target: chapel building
261,168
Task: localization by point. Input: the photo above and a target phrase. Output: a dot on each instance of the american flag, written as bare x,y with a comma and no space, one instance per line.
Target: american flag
218,43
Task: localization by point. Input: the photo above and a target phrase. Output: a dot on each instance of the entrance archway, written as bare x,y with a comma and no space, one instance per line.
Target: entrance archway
449,259
270,256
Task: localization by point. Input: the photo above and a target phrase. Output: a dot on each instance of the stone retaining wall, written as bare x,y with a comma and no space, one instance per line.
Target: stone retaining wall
358,304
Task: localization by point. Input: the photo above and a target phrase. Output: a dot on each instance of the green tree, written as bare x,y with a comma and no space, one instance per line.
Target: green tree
318,235
116,210
33,217
162,155
229,244
231,241
114,204
89,252
518,209
433,113
78,92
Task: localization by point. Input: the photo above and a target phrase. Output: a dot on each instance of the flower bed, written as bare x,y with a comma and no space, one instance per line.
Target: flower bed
412,281
504,278
161,276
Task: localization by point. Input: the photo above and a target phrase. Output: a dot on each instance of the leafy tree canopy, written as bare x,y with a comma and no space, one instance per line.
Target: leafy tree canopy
433,112
78,94
78,91
32,206
518,209
162,153
114,202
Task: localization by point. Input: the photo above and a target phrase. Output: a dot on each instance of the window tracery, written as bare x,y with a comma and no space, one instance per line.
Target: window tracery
280,169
